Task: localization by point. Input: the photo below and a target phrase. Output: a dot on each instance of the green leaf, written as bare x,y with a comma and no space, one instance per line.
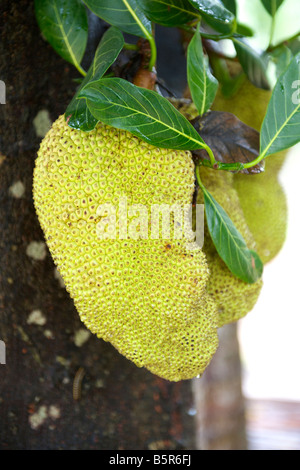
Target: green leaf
281,126
230,245
79,116
77,112
272,6
125,14
64,24
253,63
244,30
230,5
281,56
202,84
169,12
216,15
142,112
294,45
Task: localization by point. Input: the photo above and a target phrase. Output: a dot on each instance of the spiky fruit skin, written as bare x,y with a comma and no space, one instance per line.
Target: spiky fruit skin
262,197
146,296
234,298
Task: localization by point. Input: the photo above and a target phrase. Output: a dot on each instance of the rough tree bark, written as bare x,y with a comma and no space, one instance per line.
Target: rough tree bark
121,406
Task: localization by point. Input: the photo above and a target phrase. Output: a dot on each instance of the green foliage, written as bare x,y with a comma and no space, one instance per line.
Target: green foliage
216,15
281,57
77,112
169,12
272,5
254,63
230,5
64,24
145,113
202,84
280,128
125,14
142,112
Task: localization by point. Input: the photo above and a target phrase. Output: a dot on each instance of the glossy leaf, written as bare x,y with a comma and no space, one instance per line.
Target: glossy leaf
142,112
64,24
230,245
202,84
254,64
281,56
125,14
294,45
281,126
77,113
272,6
169,12
216,15
230,5
243,30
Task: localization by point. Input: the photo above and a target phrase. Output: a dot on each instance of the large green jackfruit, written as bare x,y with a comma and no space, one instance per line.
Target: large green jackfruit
234,298
261,196
148,297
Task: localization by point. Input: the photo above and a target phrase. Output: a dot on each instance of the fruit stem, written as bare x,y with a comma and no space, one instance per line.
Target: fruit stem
256,161
152,61
80,69
147,35
236,167
211,155
131,47
198,178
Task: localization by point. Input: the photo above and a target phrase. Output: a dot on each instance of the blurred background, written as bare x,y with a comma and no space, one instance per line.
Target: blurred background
256,17
269,335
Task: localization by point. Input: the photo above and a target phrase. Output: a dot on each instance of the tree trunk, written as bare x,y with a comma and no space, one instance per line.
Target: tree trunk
120,406
220,420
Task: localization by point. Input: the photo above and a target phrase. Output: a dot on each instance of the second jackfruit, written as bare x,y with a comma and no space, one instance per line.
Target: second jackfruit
234,298
261,196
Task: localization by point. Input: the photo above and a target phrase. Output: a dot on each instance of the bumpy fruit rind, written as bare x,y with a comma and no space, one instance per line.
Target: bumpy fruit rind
146,296
234,298
262,196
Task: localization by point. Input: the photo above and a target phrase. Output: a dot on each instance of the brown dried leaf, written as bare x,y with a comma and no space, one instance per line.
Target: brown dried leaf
229,138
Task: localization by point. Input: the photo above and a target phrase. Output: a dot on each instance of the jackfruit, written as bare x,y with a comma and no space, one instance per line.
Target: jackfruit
265,207
234,298
185,106
146,296
262,196
249,104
